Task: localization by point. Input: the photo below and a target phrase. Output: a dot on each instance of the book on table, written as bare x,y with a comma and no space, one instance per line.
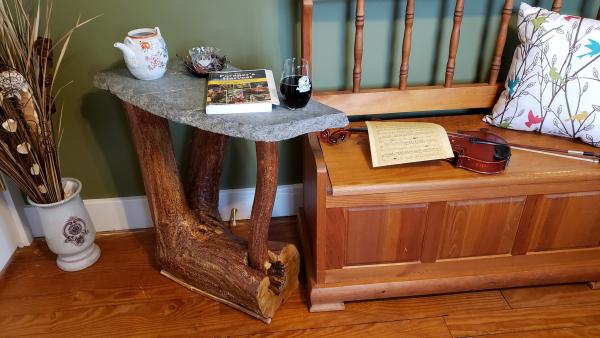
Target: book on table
241,91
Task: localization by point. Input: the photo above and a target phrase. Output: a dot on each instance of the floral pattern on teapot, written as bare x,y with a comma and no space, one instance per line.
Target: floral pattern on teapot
155,54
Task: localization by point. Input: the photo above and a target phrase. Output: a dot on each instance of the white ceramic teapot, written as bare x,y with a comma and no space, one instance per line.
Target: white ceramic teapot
145,53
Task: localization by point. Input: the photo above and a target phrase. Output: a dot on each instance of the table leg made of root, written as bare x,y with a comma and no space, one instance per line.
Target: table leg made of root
193,247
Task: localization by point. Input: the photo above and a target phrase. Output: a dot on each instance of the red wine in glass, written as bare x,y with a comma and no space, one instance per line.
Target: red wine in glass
295,87
293,96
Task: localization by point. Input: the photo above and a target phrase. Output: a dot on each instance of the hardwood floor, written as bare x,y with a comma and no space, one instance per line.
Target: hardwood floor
124,295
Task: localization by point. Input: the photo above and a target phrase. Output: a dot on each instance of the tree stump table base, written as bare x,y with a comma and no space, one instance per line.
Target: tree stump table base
193,247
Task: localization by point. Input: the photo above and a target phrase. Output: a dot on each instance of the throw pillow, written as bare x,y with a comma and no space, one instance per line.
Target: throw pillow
553,85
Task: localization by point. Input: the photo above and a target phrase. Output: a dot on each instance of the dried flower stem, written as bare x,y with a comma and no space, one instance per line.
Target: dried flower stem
28,153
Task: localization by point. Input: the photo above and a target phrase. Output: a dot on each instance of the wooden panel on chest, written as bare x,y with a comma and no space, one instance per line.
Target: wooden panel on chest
383,234
566,221
474,228
335,247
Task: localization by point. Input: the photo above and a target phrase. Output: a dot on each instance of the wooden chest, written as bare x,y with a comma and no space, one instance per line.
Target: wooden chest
430,228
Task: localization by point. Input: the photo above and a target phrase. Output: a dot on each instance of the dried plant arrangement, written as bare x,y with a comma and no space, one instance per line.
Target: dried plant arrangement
28,151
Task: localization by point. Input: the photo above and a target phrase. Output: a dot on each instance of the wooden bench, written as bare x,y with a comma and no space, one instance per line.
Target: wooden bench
428,228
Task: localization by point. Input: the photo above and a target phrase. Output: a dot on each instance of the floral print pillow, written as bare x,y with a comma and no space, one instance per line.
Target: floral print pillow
553,85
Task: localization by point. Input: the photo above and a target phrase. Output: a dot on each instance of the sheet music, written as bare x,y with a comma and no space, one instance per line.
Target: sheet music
407,142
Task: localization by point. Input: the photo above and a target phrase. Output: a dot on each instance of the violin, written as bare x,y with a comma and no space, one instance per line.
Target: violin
480,151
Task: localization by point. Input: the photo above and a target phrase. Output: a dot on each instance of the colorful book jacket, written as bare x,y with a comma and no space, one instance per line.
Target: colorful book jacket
243,91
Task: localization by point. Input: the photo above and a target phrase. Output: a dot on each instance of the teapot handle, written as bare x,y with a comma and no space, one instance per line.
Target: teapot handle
157,31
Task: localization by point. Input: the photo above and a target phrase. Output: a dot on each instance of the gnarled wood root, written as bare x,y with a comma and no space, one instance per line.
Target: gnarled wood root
192,245
219,266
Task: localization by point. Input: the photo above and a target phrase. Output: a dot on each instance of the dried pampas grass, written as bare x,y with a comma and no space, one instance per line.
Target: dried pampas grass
28,152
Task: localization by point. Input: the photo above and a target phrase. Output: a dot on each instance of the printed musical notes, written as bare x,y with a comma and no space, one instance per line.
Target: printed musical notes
407,142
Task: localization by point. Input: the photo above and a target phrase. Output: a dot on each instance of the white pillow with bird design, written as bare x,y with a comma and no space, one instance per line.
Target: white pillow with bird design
553,85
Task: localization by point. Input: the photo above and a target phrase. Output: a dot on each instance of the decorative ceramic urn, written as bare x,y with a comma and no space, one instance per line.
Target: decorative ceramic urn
145,53
68,229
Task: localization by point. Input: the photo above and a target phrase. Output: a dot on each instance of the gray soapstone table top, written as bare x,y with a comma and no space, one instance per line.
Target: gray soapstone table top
181,97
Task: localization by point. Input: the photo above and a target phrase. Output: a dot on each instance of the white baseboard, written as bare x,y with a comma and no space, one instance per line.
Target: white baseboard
126,213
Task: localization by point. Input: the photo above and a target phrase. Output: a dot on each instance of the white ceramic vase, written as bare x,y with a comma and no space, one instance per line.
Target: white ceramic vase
69,230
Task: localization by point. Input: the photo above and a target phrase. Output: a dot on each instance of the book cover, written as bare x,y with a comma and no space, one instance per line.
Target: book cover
244,91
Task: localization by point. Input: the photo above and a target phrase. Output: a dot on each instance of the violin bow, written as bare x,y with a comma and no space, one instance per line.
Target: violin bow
563,151
570,154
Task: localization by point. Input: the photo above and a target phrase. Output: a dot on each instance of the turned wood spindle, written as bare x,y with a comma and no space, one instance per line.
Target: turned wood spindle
307,12
407,42
557,5
358,45
455,37
266,185
500,41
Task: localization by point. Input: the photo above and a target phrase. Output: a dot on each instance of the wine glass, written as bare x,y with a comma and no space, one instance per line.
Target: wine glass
296,87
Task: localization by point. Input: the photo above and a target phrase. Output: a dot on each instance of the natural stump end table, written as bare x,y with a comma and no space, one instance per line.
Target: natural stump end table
193,247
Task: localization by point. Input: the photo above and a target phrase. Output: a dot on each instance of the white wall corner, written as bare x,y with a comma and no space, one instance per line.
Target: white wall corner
128,213
14,230
15,213
8,240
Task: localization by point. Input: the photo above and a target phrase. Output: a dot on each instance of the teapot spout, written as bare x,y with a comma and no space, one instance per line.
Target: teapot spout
127,53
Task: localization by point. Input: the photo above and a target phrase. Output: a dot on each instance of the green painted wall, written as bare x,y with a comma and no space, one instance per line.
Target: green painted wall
96,146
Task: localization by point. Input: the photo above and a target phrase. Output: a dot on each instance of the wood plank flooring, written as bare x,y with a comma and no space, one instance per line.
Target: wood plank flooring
124,295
